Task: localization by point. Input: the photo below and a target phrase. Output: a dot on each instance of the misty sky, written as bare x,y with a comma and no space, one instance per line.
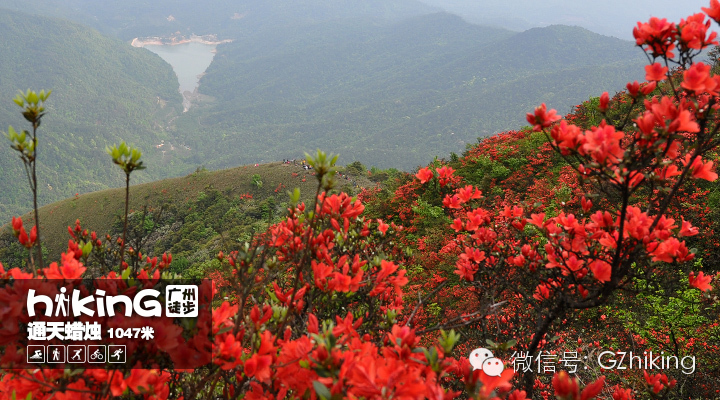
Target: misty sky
608,17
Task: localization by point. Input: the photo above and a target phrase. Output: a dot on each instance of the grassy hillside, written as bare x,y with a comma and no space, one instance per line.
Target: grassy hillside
104,91
217,199
395,95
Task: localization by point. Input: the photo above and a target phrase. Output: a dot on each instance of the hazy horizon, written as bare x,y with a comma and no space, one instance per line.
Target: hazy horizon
611,17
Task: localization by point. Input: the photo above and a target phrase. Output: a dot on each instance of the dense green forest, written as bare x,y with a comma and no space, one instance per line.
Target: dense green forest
103,91
434,82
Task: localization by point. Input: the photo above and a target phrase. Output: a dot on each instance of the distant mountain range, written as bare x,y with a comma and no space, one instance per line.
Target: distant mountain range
127,19
391,83
104,91
609,17
396,94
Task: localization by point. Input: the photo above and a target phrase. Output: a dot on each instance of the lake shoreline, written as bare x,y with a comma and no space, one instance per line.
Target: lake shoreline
177,40
188,57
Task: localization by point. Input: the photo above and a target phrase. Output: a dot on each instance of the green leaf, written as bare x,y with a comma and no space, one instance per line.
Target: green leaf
294,196
322,391
44,95
32,98
87,249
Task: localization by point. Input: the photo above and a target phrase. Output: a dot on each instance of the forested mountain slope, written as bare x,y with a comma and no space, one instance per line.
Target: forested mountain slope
393,95
390,84
103,91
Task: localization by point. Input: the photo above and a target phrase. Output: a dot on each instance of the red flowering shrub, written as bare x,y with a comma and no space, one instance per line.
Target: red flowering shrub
323,305
617,223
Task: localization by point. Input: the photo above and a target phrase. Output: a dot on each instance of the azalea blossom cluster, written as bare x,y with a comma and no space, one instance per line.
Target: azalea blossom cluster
296,341
21,234
277,332
257,357
278,346
575,256
672,135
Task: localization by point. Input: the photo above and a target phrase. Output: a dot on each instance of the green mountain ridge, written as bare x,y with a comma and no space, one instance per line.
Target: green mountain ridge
233,198
104,91
402,86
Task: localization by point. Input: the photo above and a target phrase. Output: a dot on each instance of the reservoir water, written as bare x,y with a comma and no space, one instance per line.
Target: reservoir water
188,60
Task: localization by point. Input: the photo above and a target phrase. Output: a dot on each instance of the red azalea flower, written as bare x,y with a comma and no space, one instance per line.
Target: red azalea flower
424,174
